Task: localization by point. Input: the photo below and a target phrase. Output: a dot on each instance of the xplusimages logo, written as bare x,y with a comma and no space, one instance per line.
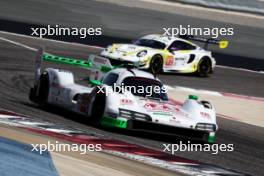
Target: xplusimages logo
190,147
62,147
58,30
183,30
148,91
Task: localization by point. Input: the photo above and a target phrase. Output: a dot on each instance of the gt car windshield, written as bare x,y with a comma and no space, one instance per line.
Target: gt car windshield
145,87
150,43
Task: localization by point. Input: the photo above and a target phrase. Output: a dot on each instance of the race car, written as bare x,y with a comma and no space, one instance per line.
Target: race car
123,108
160,53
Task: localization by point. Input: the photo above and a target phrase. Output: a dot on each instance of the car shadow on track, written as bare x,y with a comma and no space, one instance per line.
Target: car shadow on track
150,135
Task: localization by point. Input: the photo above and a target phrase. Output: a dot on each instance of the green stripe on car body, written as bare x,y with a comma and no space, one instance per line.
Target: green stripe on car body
75,62
112,122
66,60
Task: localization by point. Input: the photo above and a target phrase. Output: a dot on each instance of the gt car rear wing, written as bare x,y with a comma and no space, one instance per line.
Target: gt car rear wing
221,43
96,65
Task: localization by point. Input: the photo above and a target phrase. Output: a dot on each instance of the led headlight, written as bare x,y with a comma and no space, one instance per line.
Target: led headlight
205,126
142,53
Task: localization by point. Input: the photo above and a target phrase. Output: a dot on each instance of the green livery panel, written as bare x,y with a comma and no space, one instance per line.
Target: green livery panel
111,122
66,60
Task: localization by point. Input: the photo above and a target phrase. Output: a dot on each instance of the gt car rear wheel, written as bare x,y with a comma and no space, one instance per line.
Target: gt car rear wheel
98,108
156,64
204,67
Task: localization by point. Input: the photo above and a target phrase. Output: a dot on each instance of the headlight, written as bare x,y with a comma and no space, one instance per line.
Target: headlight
142,53
205,126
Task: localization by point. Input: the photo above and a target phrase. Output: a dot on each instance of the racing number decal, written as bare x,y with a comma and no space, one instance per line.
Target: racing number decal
169,61
160,107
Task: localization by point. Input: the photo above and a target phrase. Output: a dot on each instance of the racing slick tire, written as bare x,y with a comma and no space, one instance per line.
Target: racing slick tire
43,89
156,64
39,93
98,108
204,67
33,94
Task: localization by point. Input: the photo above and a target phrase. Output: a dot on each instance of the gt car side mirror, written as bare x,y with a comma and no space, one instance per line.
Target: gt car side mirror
223,44
94,82
173,49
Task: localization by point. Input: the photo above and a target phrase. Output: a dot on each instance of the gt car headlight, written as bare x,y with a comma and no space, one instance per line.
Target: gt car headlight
108,47
142,53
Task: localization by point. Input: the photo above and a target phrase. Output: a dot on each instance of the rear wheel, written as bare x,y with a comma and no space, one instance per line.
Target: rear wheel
156,64
43,89
204,67
33,94
98,108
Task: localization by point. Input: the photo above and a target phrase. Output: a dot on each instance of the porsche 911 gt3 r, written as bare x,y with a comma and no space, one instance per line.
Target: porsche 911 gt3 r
165,53
123,109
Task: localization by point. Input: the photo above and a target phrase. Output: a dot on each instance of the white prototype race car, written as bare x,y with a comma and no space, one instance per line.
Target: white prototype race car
160,53
121,109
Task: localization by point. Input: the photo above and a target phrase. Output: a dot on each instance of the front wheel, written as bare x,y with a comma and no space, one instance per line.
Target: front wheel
156,64
204,67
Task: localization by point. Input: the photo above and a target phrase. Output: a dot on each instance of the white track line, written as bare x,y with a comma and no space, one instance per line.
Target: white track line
19,44
212,93
46,39
208,9
239,69
192,90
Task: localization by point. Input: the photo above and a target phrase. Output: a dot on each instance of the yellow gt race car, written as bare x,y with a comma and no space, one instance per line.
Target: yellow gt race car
160,53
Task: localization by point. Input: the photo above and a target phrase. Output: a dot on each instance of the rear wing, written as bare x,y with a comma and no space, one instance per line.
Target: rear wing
96,65
221,43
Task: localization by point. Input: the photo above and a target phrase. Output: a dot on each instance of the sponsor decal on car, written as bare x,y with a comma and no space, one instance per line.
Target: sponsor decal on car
126,102
160,107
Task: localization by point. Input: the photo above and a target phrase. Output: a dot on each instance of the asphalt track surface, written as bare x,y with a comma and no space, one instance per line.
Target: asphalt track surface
16,68
122,24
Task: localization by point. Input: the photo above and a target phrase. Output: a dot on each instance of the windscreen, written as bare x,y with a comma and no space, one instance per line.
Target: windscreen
150,43
145,87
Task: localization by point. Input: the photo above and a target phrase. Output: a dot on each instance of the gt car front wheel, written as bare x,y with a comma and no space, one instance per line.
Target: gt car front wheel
204,67
156,64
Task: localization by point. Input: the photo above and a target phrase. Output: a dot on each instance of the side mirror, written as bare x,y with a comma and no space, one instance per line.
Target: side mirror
223,44
94,82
